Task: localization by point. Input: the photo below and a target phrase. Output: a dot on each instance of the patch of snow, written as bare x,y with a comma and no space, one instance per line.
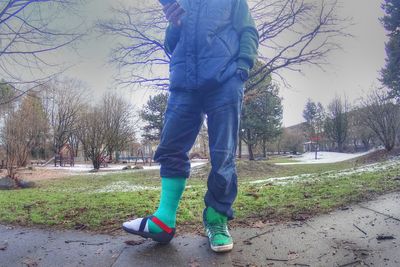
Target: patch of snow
371,168
274,179
324,157
85,168
124,186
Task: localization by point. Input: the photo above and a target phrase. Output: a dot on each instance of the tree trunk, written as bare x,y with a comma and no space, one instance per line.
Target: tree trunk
316,151
96,164
366,144
389,146
355,145
250,145
340,147
250,148
264,148
240,148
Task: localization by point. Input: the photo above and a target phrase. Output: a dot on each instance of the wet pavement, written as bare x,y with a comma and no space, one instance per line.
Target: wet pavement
365,234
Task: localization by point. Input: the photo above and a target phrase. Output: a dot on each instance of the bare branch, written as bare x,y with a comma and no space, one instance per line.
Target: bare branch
293,33
28,37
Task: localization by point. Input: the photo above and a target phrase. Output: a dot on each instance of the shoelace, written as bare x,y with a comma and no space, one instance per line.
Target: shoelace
215,229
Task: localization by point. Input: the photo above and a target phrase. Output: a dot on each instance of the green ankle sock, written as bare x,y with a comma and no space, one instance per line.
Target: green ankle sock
171,193
214,217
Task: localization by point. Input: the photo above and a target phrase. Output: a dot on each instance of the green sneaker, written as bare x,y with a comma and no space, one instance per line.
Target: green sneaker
216,228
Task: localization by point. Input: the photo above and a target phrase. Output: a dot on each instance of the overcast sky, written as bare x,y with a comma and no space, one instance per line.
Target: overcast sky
351,73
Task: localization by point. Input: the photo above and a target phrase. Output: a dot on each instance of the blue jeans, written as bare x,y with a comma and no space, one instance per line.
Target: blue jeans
183,119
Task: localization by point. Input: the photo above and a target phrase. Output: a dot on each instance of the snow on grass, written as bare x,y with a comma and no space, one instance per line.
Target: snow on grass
115,168
124,186
324,157
370,168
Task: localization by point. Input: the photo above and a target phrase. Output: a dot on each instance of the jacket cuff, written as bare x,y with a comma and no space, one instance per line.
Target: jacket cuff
242,64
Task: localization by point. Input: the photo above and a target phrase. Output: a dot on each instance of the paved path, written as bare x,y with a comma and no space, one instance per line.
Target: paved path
341,238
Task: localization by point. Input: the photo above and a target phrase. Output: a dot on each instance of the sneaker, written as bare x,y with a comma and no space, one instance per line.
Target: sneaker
140,227
216,228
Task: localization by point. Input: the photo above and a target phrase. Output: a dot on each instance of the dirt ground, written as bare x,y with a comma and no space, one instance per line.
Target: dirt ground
378,156
38,174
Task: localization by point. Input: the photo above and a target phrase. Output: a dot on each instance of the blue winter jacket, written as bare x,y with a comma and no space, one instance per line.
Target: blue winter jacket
216,38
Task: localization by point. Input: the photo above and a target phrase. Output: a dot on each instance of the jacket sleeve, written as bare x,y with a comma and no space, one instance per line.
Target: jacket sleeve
248,35
172,36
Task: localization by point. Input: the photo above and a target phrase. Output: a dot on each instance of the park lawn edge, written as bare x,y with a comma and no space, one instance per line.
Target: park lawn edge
46,206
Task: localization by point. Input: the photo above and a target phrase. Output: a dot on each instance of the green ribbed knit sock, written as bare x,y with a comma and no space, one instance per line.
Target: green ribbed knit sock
171,193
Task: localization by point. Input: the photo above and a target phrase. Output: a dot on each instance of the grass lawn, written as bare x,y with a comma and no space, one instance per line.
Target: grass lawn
101,203
280,159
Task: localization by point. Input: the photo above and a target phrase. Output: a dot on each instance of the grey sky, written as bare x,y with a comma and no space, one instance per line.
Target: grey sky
351,72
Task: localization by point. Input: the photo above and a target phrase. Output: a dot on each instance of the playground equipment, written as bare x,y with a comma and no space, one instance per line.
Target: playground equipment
104,161
140,155
66,156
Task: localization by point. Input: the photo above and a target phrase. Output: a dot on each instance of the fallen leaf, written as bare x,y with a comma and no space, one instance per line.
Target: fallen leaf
385,237
259,224
247,242
4,246
194,263
301,217
30,263
134,242
79,226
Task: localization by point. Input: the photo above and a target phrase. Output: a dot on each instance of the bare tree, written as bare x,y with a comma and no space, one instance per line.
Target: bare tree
382,116
337,122
118,115
292,141
22,129
92,133
292,33
28,35
358,133
63,100
105,128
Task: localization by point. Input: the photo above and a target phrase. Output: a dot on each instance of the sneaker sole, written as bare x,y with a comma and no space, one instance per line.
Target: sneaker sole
160,238
219,249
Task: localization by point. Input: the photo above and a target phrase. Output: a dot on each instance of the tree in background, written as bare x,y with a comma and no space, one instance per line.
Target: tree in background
153,116
105,128
336,126
92,133
63,100
271,105
292,141
390,74
7,94
382,116
261,119
22,130
314,116
358,132
118,115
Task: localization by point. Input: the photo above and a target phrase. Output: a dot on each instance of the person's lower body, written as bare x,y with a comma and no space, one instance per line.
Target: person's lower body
183,120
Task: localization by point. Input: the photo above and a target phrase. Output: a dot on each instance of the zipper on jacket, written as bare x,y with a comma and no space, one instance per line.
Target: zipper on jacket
196,43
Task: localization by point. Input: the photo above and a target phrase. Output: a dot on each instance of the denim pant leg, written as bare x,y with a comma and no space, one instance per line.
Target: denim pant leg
182,123
223,108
